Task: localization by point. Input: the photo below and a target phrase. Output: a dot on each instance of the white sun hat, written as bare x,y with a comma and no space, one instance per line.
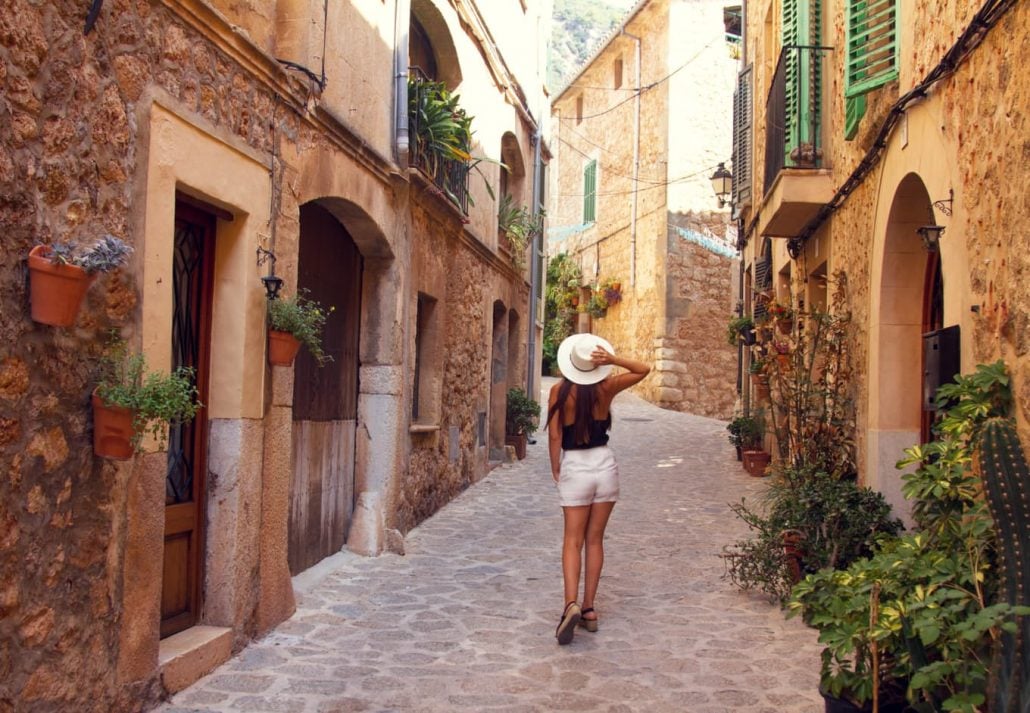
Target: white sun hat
574,359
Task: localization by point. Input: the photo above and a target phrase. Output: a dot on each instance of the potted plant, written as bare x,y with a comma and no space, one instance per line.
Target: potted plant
611,289
129,401
740,328
743,433
783,315
759,379
521,417
597,305
520,227
60,274
292,322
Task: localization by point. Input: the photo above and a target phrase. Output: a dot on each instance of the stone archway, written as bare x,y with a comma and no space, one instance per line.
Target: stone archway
896,363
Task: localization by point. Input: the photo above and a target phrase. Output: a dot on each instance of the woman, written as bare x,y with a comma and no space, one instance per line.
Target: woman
582,465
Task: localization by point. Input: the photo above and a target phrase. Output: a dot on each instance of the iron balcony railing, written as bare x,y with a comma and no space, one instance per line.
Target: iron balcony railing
450,175
793,126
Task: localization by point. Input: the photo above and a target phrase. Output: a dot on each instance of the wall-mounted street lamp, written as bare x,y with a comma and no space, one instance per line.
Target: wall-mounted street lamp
722,183
271,282
931,235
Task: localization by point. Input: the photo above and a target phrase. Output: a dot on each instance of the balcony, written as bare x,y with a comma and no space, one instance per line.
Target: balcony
797,182
440,133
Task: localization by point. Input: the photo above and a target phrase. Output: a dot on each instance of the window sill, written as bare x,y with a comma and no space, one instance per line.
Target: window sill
419,428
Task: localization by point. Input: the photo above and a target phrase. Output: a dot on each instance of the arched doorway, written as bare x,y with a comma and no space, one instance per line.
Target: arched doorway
498,379
325,399
897,361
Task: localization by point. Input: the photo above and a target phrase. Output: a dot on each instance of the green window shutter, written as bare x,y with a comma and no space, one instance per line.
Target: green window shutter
590,192
854,110
872,41
802,27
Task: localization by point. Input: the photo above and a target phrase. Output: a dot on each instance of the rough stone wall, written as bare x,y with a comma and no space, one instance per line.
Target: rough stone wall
695,368
469,283
69,147
981,115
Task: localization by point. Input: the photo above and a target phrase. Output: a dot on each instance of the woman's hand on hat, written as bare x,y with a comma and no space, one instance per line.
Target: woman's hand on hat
602,356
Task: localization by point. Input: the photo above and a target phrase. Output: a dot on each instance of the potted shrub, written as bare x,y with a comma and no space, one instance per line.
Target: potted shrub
743,432
521,417
597,305
129,401
740,328
293,322
611,289
60,274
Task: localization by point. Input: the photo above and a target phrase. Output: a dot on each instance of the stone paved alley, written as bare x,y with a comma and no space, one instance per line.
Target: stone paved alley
465,620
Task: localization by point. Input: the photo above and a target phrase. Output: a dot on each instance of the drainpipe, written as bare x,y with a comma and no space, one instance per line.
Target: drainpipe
534,271
402,20
636,165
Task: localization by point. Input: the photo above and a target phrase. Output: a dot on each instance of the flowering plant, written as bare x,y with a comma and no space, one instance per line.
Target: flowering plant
781,346
780,311
611,288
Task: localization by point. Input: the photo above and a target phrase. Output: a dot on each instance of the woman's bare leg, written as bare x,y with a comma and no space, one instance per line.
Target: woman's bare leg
572,545
596,523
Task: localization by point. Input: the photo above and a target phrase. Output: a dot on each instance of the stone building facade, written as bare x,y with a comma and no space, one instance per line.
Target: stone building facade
203,133
930,129
651,220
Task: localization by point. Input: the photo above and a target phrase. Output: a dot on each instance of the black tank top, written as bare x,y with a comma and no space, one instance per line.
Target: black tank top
598,433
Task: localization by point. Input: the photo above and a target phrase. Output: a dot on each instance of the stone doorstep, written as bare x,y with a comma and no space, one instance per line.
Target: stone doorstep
185,657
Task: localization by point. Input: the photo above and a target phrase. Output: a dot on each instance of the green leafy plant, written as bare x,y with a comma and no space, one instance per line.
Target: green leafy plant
597,305
736,328
563,280
745,432
520,226
156,399
924,607
611,289
303,318
522,413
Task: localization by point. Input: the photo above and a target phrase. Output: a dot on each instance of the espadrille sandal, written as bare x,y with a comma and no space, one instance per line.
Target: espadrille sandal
588,624
567,624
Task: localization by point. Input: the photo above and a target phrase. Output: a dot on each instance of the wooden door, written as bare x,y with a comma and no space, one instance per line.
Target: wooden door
325,399
933,319
187,443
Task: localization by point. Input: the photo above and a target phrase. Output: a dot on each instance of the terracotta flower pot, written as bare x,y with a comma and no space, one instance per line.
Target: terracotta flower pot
519,440
55,291
783,360
617,286
785,325
757,463
113,430
746,459
282,348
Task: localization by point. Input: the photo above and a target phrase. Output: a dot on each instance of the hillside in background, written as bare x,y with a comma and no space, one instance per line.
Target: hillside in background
578,27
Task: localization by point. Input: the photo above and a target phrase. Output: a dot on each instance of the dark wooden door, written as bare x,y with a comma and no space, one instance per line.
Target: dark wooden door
325,399
933,319
187,443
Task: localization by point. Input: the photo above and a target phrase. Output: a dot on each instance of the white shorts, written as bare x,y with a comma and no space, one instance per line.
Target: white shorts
588,476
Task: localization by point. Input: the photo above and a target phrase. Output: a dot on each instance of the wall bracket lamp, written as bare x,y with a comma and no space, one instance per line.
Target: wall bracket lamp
722,183
271,282
931,235
945,204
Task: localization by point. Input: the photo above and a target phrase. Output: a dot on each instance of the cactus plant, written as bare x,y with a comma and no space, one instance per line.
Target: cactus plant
1006,480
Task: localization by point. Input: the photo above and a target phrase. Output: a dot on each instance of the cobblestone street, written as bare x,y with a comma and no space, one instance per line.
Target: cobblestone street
465,620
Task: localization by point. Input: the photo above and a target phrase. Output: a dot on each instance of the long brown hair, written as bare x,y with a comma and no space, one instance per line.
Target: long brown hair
586,398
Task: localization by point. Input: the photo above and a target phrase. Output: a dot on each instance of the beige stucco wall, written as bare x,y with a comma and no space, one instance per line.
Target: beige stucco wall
965,137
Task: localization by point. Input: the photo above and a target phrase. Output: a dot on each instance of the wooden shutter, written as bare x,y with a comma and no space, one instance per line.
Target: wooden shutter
854,110
872,59
802,68
590,192
743,140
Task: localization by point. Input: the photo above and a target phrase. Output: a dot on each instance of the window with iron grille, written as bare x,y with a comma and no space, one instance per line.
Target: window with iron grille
590,192
802,29
872,58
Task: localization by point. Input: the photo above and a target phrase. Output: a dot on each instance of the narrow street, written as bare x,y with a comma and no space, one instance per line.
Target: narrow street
465,620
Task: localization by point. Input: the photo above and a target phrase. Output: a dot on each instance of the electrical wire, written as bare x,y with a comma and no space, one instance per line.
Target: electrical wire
641,90
645,188
608,168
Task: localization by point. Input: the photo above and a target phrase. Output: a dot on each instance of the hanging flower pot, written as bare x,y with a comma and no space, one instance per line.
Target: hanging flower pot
783,360
282,348
56,290
785,325
114,431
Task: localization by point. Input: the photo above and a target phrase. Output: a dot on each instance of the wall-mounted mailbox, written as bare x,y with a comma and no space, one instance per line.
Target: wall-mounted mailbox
941,356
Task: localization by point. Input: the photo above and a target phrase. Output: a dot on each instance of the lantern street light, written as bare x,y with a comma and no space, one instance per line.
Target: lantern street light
722,183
